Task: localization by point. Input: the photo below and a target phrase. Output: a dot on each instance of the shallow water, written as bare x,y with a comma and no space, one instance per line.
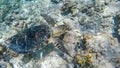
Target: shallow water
91,33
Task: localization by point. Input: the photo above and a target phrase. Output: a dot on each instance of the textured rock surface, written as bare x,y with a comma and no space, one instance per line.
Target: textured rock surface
90,33
105,48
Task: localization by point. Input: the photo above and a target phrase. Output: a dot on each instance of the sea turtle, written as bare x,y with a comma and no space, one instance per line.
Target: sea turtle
37,37
30,39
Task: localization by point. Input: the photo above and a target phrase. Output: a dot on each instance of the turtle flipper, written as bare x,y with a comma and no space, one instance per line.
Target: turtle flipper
62,48
51,21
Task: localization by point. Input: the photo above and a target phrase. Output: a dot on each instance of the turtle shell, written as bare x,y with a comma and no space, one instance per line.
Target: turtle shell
30,39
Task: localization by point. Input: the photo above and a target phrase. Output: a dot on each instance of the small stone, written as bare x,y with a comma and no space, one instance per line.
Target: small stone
69,7
2,49
15,23
87,36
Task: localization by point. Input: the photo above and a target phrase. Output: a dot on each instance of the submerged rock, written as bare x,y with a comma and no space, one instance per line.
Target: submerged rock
104,48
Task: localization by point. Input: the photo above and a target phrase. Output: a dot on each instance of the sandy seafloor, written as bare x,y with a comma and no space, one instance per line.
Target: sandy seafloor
92,40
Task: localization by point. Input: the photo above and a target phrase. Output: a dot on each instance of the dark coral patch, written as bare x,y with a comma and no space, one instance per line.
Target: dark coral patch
30,39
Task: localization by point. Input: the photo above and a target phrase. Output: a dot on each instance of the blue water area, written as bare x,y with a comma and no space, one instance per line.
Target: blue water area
30,39
115,33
